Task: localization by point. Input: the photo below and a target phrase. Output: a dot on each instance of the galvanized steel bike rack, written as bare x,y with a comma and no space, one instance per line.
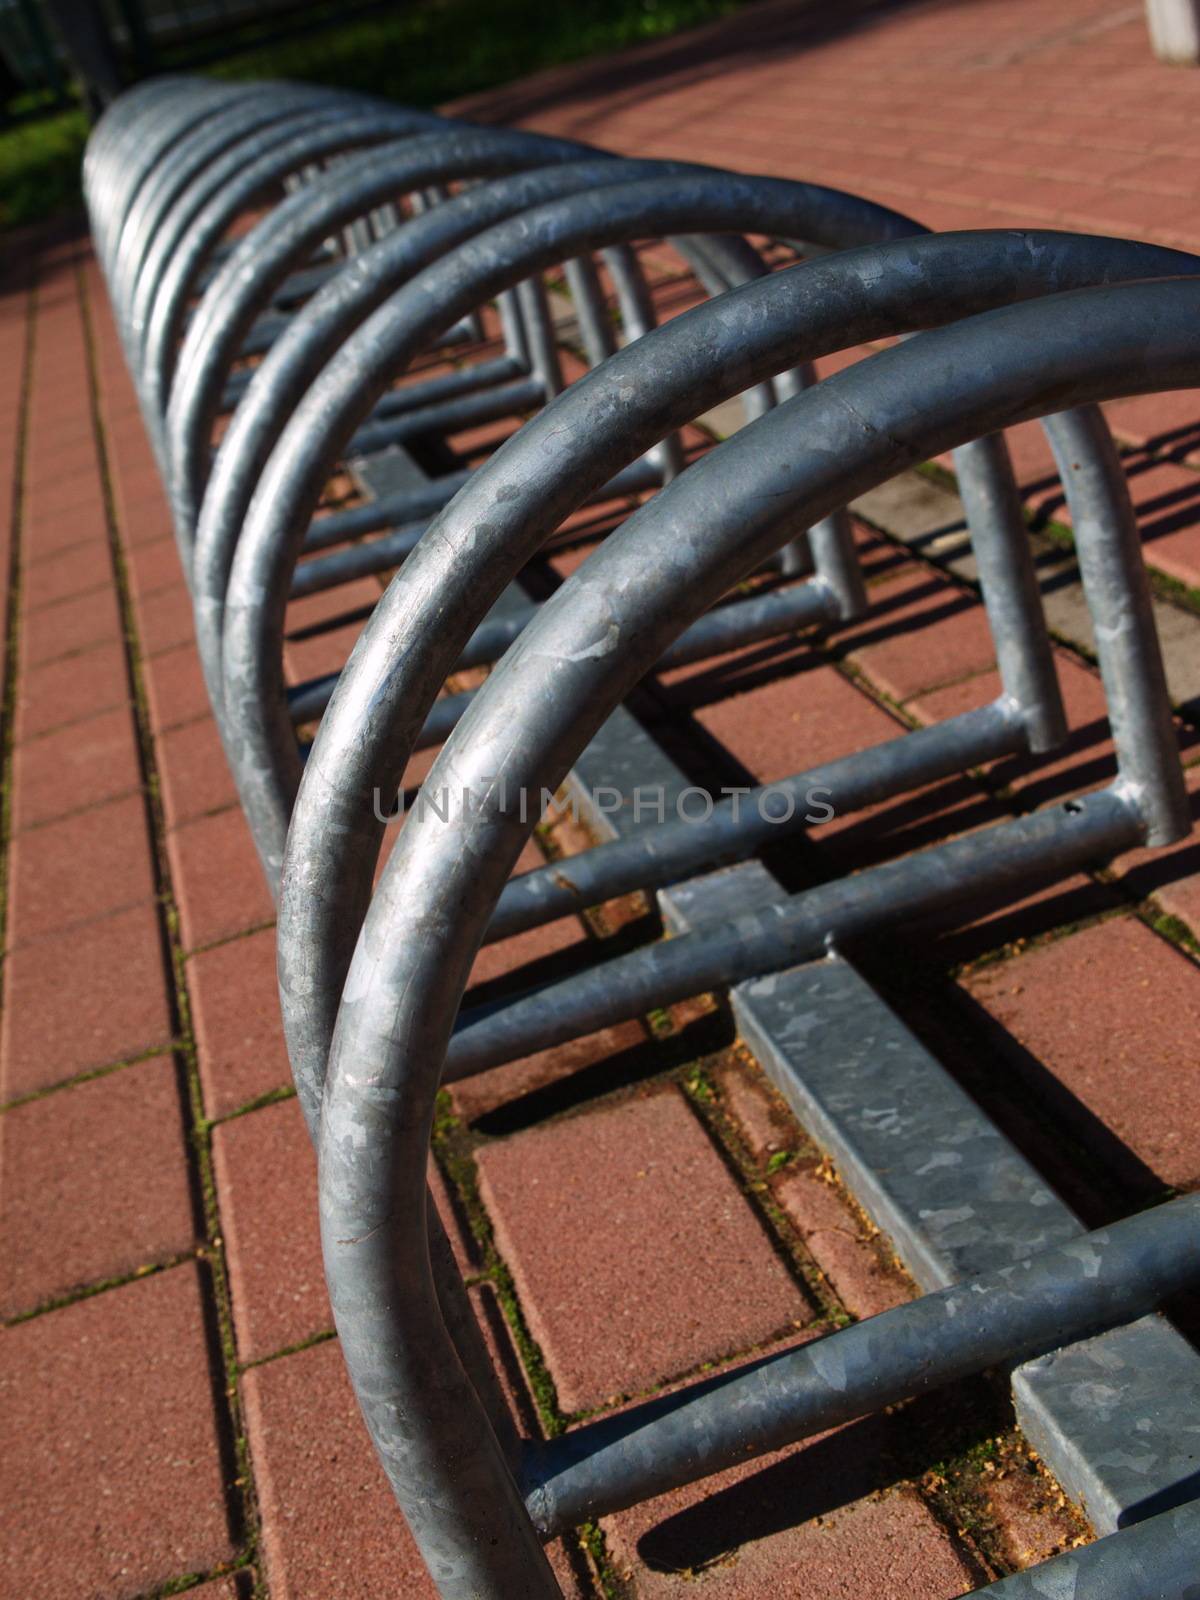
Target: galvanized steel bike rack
477,1508
342,293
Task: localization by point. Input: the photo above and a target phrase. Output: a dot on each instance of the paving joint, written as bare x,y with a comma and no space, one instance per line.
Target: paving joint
825,1303
89,1291
240,1495
89,1076
12,656
225,939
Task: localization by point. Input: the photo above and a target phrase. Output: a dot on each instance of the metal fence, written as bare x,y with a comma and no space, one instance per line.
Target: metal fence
279,258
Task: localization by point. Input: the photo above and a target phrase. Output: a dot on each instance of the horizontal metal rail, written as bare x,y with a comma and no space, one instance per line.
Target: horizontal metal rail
740,622
1068,1293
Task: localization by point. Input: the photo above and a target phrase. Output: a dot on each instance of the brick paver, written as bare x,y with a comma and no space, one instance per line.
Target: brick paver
118,1483
267,1187
235,1010
70,691
785,725
93,1184
87,997
221,886
631,1209
266,1179
841,1245
68,627
175,690
75,870
331,1526
1085,760
1083,1006
330,1523
74,767
812,1520
195,776
920,632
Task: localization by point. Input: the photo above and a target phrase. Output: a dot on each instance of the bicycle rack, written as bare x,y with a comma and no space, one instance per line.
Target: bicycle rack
476,1508
339,292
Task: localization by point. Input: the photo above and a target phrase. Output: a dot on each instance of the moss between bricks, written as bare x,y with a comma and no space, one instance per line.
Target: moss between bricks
242,1500
11,660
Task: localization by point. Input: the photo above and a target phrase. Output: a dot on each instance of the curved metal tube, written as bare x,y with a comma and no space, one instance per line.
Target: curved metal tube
322,328
340,308
283,240
131,138
200,162
326,324
537,479
191,231
588,646
215,148
260,742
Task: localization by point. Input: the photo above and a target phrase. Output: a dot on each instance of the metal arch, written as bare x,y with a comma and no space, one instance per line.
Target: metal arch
187,159
245,283
132,136
260,741
258,730
263,149
189,234
196,167
211,122
338,309
443,404
588,646
313,337
540,476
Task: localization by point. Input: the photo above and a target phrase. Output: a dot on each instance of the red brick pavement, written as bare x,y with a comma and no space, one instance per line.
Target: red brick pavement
987,114
639,1205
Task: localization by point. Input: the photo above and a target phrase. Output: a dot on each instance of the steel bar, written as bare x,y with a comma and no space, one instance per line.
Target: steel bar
1110,567
1010,589
1070,1292
743,823
1045,847
491,404
739,622
391,511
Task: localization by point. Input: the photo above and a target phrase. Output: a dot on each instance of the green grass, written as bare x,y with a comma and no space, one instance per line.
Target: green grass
39,167
422,54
